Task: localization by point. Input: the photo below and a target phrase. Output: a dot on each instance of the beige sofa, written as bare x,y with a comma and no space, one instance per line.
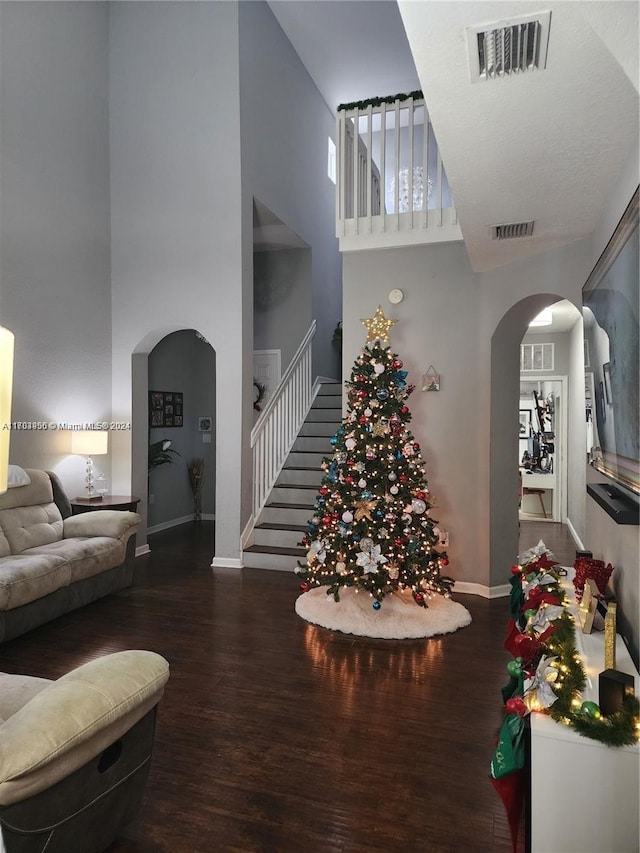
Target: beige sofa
50,564
75,753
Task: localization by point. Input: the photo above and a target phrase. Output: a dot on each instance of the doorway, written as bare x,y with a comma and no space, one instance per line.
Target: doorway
542,447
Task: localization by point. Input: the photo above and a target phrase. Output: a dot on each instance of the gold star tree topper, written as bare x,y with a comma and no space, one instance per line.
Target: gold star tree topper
378,326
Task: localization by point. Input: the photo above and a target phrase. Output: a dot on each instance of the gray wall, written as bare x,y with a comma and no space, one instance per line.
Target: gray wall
451,318
182,362
285,126
54,250
176,218
281,300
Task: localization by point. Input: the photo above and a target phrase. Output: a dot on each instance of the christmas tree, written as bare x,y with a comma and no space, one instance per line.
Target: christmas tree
371,527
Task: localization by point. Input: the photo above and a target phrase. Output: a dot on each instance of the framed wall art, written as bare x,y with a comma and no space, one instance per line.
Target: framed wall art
166,409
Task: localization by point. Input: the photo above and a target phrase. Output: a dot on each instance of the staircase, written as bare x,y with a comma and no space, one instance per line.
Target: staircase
283,521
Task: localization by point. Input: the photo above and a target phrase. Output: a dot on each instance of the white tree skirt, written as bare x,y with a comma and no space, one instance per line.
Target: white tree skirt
399,616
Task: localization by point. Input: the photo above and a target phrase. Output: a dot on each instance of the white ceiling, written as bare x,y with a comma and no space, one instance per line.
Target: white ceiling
546,145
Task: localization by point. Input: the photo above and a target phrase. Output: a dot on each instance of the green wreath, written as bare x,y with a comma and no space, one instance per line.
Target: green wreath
260,391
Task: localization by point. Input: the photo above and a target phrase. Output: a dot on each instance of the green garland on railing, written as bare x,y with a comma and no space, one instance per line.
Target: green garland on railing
377,102
619,729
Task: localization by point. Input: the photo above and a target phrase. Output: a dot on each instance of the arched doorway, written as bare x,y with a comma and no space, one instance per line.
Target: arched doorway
173,400
504,442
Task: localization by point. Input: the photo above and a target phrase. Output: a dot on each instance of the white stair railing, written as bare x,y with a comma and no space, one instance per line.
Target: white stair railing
277,427
390,176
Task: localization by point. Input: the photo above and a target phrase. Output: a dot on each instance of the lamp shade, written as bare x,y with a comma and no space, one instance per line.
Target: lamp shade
6,382
89,442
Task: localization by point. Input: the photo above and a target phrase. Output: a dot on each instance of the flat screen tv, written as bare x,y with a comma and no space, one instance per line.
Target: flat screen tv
610,299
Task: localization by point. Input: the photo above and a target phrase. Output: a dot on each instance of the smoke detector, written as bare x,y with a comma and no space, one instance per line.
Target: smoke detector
507,48
512,230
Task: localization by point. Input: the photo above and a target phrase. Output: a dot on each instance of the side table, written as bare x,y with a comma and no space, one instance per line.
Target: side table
125,502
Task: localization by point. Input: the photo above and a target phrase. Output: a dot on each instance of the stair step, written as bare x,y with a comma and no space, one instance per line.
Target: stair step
327,388
261,558
278,513
316,415
328,401
293,494
279,536
300,477
305,459
316,444
319,428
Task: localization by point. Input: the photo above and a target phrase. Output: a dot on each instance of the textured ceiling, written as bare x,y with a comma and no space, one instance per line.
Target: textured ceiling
546,145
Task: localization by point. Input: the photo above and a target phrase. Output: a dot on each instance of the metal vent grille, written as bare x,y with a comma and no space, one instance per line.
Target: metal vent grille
512,230
508,47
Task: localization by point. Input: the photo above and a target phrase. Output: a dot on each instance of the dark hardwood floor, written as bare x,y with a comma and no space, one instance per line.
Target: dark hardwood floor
276,735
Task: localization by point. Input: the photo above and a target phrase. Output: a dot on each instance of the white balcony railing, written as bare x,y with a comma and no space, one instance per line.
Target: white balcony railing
277,427
392,188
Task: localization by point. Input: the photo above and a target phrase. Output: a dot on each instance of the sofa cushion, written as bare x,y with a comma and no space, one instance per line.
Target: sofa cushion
38,491
29,526
17,690
86,556
26,577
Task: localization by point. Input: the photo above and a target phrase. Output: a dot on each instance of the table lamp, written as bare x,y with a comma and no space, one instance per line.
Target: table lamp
6,381
89,443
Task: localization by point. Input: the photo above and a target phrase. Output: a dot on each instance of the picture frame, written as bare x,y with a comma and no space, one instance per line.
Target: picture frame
205,423
610,309
524,418
166,409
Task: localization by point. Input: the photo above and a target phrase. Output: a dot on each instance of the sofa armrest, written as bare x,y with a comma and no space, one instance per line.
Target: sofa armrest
73,719
115,523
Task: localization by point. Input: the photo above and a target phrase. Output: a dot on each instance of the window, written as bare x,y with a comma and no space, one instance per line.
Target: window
535,357
331,160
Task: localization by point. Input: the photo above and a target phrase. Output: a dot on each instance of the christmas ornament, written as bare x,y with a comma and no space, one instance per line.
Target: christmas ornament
376,605
382,394
362,483
590,709
364,509
378,369
347,517
350,443
393,476
419,506
378,326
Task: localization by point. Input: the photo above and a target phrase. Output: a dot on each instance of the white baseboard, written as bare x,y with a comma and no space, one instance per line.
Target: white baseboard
468,588
142,549
176,522
226,563
575,536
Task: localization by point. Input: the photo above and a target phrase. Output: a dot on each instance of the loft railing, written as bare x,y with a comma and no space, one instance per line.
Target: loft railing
277,427
390,176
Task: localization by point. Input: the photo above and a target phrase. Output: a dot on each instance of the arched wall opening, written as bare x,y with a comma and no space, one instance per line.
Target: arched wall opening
503,443
169,362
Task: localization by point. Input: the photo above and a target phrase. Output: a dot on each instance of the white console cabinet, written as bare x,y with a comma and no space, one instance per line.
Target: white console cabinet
584,796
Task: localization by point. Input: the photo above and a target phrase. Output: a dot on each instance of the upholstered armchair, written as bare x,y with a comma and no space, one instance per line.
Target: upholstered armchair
75,752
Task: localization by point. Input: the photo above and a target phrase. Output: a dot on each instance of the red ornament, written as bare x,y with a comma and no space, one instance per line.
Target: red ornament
363,394
421,495
324,490
399,542
397,363
419,597
326,519
362,419
405,410
403,478
304,587
348,480
444,562
516,705
516,570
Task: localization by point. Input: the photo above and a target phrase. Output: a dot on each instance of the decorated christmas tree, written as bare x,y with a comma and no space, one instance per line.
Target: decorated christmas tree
372,527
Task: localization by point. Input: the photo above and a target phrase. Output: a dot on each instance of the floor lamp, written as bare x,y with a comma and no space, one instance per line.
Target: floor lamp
6,382
89,443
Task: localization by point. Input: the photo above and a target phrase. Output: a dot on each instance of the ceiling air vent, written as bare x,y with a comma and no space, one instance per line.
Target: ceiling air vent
508,47
512,230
